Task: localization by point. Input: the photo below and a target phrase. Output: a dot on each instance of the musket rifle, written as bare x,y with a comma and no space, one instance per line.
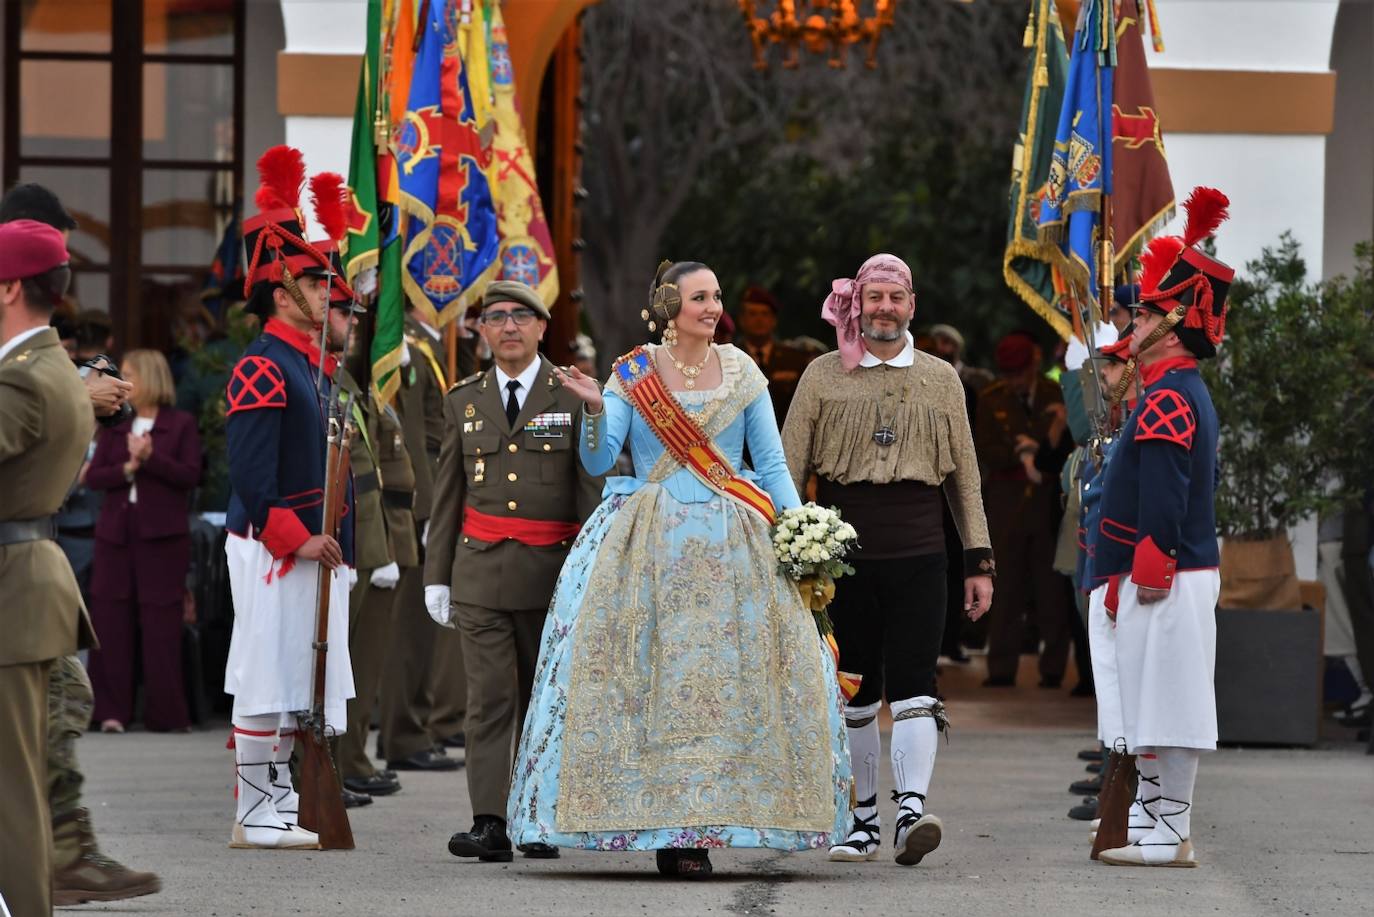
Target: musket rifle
321,805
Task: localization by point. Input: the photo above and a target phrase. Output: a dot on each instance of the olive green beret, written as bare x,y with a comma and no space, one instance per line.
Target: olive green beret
514,291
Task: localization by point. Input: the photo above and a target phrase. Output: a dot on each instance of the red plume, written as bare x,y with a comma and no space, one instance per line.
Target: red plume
282,172
328,193
1206,211
1156,260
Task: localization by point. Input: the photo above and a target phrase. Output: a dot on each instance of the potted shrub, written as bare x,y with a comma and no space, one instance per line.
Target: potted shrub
1296,404
1295,399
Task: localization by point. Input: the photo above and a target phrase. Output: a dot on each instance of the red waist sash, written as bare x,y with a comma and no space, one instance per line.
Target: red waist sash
537,533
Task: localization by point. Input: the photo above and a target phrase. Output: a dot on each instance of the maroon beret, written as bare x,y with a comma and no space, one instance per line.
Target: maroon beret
28,248
763,297
1015,352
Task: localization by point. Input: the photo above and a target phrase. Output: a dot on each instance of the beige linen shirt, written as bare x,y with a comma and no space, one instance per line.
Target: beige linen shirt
830,427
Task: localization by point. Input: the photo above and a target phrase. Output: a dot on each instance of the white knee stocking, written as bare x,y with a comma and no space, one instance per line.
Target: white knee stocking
255,739
915,740
865,748
284,796
1177,775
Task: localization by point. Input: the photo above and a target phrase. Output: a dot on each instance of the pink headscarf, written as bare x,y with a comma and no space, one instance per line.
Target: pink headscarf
844,305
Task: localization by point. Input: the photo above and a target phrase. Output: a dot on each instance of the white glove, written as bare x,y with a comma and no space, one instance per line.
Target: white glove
1077,352
405,353
386,577
437,604
1075,355
352,578
424,535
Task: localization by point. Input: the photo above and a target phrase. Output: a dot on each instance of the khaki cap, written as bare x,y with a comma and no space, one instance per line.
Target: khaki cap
517,292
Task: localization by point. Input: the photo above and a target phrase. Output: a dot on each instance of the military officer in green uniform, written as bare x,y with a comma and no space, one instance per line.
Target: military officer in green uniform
509,498
81,872
46,423
424,698
383,544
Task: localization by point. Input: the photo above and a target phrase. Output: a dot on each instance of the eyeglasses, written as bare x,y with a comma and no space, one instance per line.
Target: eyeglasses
521,317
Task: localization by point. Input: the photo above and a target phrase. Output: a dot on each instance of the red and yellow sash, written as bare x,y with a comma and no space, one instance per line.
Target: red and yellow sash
681,436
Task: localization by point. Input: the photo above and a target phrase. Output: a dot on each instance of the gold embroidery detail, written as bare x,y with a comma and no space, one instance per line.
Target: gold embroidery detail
723,722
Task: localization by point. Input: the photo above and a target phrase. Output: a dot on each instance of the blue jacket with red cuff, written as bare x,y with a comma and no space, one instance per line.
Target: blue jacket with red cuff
275,427
1156,516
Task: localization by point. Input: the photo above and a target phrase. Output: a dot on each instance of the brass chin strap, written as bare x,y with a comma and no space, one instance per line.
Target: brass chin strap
288,282
1165,325
1123,384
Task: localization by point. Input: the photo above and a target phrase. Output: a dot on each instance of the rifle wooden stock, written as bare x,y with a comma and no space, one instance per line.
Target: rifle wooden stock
1114,802
321,806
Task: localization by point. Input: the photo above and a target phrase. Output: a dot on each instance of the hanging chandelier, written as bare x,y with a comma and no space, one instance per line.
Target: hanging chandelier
830,27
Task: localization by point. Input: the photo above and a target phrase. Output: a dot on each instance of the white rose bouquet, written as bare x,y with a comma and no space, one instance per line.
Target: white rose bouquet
811,543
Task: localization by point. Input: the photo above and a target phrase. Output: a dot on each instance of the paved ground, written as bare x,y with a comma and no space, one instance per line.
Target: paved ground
1279,832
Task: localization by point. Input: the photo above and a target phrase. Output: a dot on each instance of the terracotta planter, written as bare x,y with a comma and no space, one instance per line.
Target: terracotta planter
1259,575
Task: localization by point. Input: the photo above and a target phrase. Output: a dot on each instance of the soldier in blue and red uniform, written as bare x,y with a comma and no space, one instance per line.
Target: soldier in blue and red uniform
276,433
1156,539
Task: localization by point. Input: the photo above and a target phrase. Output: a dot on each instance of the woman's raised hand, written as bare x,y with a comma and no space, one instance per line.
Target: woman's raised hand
581,385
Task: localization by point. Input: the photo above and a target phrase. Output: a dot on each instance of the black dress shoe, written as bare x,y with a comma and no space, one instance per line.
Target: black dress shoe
352,800
427,760
457,740
487,841
376,785
1090,787
1085,810
1094,768
1090,754
539,851
1051,683
957,656
991,682
388,773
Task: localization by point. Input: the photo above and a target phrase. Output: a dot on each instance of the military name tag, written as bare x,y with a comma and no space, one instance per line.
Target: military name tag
479,471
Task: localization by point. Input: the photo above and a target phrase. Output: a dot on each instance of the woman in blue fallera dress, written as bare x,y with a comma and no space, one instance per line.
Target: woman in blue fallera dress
683,699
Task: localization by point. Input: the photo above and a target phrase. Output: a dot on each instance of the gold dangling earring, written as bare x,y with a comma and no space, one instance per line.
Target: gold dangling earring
670,334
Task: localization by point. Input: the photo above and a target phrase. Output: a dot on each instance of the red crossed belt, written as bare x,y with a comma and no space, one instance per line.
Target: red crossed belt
537,533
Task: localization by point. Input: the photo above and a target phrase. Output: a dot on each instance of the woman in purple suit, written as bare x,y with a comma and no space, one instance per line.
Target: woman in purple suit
147,467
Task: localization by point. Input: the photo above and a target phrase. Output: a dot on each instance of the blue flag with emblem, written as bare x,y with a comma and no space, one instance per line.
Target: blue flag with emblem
1081,168
449,223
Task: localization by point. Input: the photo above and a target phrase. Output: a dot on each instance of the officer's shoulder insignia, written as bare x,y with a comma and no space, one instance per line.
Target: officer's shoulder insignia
23,356
256,382
467,381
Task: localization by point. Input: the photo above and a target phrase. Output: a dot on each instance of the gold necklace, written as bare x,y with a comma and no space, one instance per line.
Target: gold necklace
690,371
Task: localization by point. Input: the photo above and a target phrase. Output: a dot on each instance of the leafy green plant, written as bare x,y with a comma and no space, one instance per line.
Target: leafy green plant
1294,392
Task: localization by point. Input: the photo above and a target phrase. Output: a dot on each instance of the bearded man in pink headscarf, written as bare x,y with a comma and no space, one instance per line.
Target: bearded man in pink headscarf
885,429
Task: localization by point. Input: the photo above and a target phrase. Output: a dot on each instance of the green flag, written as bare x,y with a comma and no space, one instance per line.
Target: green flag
371,251
1026,263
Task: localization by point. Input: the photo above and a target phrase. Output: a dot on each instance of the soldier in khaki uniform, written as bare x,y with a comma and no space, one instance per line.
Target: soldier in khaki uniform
45,424
509,499
384,542
81,872
424,695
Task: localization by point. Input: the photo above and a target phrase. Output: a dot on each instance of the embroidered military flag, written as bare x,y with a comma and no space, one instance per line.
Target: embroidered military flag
1142,192
1081,165
449,223
1026,263
371,248
526,252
